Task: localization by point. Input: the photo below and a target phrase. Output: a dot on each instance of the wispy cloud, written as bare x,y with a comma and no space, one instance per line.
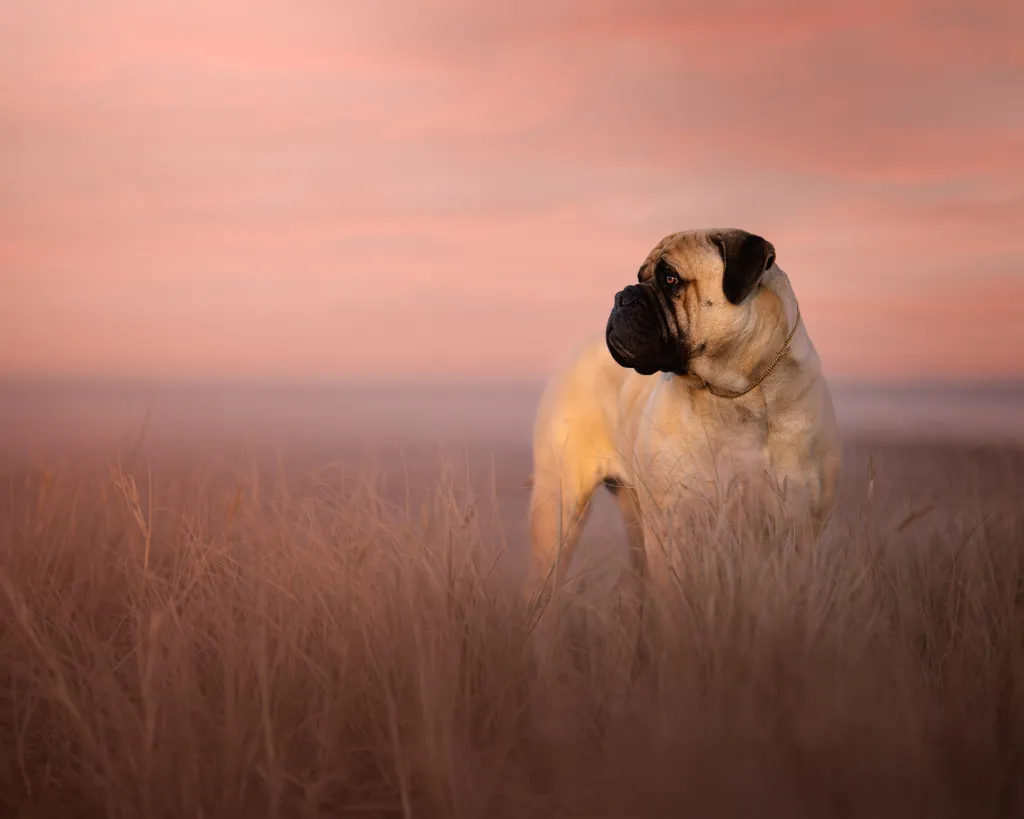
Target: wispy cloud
325,189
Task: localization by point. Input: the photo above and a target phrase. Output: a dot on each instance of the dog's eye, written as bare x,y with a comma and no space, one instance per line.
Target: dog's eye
667,274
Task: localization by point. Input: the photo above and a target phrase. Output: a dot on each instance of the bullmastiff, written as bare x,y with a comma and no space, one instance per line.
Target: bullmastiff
704,393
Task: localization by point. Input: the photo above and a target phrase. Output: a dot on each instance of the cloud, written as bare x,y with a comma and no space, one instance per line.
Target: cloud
322,168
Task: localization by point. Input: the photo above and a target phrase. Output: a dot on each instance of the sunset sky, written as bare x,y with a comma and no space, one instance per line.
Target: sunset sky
325,190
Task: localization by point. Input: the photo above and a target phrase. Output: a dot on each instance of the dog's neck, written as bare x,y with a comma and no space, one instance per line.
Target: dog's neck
770,322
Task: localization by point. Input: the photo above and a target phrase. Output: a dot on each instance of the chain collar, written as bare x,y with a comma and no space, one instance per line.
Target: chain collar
731,395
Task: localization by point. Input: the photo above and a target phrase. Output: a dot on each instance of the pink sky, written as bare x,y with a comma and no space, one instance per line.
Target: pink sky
315,189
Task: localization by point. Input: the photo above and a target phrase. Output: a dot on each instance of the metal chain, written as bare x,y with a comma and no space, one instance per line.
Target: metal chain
766,373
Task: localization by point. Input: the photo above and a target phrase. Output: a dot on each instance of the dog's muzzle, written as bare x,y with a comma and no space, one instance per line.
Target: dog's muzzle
640,333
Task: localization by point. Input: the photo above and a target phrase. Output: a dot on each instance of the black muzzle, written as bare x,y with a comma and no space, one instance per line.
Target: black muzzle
642,332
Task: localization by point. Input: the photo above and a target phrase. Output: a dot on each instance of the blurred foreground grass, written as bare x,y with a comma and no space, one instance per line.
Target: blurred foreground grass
225,642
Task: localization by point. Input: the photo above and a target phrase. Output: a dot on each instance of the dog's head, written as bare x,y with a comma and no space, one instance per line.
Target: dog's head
693,298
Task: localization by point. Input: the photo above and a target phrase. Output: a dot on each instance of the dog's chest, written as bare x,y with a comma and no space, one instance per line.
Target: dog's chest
693,450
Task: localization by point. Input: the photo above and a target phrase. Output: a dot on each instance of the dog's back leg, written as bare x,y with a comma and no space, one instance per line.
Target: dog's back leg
629,508
629,597
559,507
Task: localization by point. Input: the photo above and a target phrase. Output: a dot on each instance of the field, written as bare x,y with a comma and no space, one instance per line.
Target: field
204,629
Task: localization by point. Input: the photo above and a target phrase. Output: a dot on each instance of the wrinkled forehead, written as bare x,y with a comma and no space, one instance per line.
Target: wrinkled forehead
690,253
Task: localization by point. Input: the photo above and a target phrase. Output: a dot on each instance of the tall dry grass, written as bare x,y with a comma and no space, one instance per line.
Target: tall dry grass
220,648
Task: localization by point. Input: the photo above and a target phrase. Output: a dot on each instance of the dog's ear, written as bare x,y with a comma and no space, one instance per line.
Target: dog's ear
746,257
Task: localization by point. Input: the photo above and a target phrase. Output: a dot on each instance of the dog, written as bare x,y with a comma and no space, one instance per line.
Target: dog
705,386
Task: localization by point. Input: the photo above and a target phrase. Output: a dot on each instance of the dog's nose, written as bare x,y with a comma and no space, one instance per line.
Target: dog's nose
627,296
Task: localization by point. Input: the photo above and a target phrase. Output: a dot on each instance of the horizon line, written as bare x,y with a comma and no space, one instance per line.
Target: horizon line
13,383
